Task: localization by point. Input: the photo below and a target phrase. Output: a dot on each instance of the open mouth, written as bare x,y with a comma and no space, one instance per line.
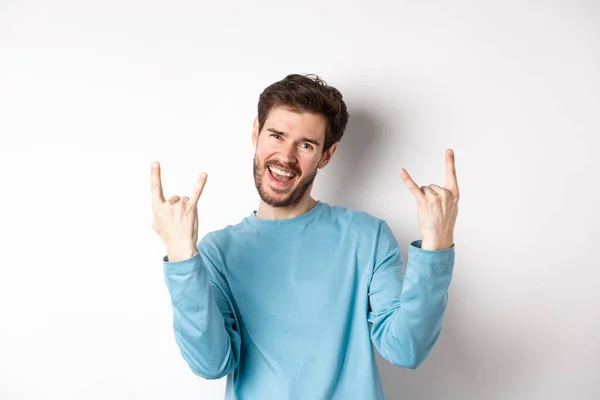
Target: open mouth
281,176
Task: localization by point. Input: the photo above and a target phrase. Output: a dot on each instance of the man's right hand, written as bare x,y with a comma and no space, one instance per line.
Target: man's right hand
176,220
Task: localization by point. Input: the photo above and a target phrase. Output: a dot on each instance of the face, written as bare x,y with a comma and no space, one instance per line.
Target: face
289,151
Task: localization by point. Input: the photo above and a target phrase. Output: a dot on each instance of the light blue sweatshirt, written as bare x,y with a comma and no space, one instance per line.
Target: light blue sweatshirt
284,308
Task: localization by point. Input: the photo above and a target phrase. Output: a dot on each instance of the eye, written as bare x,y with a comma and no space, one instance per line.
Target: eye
275,134
308,146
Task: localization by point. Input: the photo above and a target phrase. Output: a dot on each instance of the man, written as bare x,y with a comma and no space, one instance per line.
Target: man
287,303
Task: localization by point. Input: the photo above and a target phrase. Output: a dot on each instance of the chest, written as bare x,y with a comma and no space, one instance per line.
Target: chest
300,283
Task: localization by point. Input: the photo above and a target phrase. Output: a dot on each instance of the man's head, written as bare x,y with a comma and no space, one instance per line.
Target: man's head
300,121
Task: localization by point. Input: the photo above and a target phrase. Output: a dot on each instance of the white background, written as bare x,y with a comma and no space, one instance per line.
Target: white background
91,92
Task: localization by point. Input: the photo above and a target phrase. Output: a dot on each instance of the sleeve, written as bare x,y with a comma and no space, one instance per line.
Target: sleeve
406,310
204,318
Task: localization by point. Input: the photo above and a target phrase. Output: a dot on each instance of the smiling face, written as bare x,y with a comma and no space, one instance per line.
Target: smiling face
289,150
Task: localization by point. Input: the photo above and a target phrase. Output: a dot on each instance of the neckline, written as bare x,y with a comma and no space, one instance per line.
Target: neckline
297,221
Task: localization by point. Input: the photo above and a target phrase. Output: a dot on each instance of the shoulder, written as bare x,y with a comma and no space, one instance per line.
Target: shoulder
219,239
361,223
371,232
215,245
356,217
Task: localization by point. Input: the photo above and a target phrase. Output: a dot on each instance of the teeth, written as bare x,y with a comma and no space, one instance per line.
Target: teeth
280,172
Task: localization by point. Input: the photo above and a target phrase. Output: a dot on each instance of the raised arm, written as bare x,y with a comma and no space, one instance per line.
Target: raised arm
205,322
406,310
204,318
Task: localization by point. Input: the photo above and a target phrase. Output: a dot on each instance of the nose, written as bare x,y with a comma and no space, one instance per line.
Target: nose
288,154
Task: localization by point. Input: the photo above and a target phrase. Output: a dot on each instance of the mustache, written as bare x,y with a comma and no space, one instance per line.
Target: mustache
283,166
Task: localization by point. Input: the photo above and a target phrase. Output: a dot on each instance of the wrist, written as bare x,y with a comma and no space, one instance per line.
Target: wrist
428,245
180,254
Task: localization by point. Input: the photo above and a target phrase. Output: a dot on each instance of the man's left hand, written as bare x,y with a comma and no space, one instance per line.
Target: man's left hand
437,207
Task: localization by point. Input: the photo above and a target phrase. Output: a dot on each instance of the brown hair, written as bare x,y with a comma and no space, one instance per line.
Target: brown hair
306,93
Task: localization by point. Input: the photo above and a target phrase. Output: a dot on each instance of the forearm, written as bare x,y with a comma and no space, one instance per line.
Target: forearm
407,326
414,328
201,332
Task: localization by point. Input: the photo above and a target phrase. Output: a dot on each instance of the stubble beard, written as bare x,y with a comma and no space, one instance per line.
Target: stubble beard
292,198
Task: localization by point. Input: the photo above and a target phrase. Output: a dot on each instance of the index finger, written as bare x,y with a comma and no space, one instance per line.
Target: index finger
412,186
156,185
198,189
451,181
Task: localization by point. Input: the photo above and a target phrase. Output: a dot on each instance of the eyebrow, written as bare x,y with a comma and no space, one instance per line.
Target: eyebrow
315,142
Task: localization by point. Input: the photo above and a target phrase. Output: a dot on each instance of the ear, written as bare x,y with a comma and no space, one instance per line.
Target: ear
255,132
327,155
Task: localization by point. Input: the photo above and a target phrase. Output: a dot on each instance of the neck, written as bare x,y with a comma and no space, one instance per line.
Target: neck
266,211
